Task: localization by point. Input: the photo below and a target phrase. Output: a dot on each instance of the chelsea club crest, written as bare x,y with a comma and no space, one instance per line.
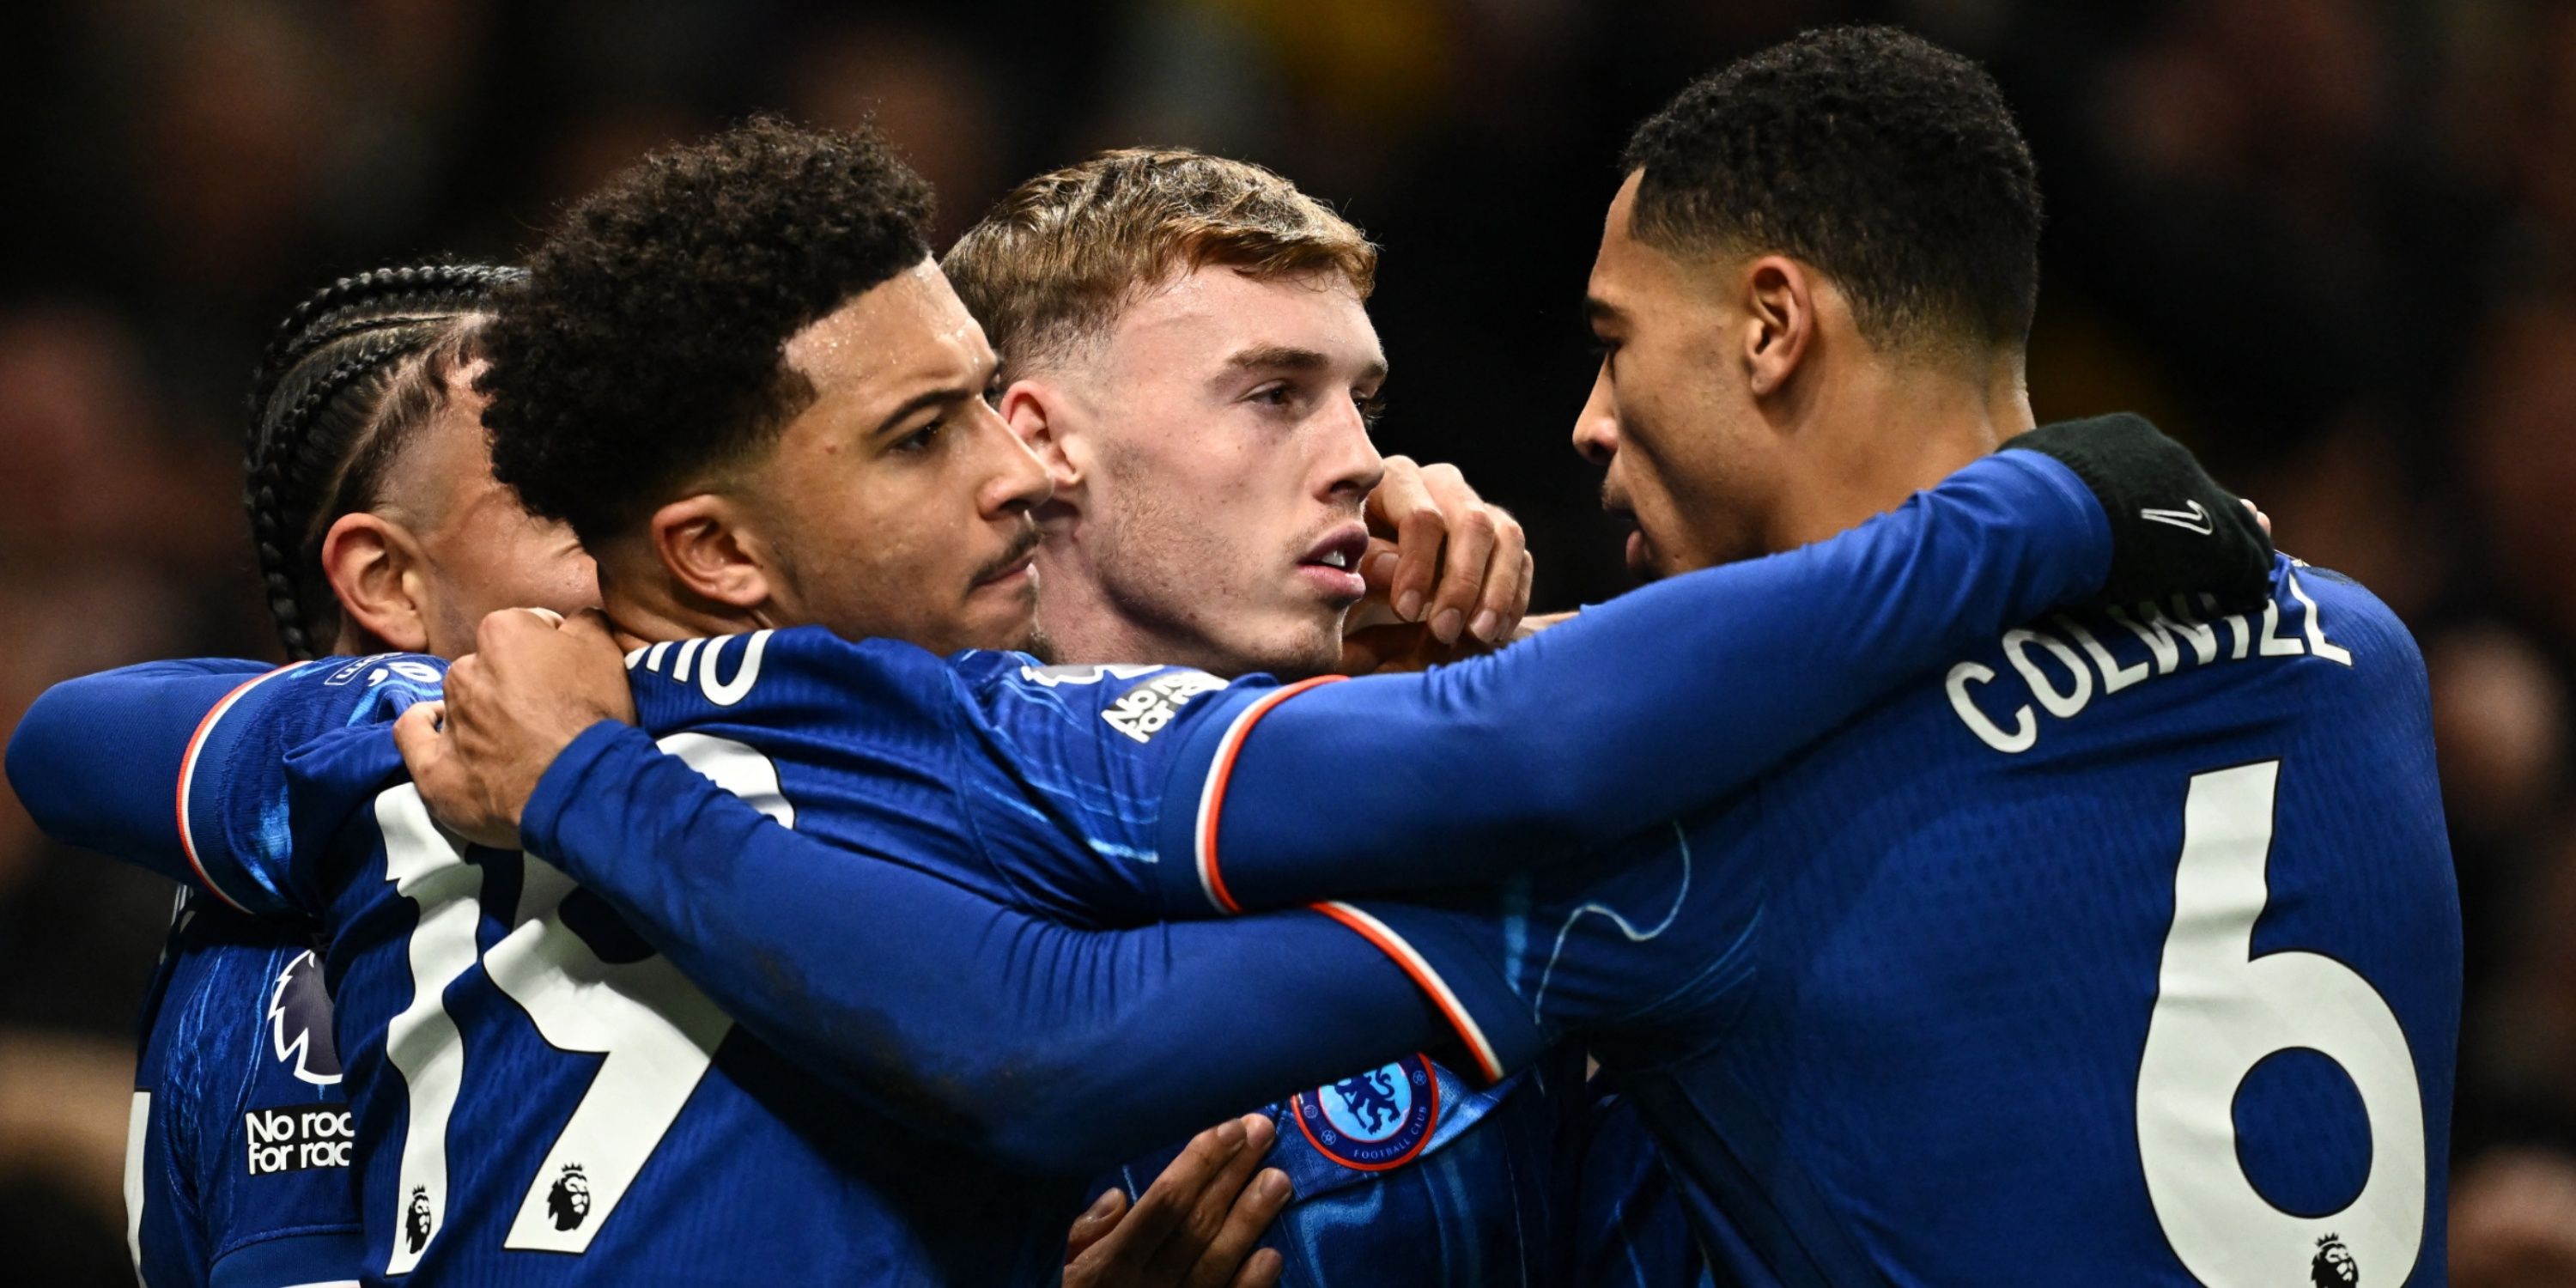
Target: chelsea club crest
1374,1120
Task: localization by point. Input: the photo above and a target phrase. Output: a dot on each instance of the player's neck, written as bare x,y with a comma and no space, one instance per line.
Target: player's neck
1886,432
353,640
644,611
1082,623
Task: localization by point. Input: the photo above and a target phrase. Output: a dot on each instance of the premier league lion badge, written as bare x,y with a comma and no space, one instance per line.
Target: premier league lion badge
1374,1120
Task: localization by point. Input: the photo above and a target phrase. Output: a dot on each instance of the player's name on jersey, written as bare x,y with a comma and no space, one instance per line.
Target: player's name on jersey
2061,670
684,657
291,1138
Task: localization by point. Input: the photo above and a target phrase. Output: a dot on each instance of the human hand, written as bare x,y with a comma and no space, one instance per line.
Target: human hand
2259,516
2173,528
1196,1225
1447,574
533,682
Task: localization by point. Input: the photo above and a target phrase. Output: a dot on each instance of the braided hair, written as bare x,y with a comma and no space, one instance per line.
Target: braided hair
321,425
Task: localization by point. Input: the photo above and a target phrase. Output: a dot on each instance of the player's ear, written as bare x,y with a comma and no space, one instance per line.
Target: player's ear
377,573
1038,411
1779,295
711,552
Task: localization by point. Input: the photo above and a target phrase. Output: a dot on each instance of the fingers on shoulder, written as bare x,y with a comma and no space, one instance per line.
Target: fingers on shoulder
417,737
512,623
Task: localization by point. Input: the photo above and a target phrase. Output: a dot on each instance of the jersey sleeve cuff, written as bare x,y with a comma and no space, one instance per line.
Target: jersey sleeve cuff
1439,950
318,1258
1189,879
603,748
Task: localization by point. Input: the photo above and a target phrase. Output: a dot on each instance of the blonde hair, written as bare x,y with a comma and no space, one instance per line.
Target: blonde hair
1055,261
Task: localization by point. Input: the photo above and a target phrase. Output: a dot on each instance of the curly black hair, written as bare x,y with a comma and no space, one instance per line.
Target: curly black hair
325,417
646,345
1889,163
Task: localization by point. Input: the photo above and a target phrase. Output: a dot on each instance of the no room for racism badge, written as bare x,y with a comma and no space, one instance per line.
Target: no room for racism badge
1374,1120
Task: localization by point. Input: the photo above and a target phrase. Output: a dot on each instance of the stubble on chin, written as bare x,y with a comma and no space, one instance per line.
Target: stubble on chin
1319,654
1037,645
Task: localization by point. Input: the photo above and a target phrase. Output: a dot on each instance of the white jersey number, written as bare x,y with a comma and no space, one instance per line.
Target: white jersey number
2219,1011
656,1029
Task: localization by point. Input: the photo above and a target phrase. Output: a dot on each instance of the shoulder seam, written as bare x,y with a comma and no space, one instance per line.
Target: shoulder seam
188,779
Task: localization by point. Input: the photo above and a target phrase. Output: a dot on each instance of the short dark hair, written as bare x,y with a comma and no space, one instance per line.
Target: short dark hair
645,346
1889,163
349,375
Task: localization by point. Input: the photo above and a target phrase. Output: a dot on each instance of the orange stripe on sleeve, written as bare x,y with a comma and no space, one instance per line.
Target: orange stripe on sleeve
1385,940
188,778
1212,797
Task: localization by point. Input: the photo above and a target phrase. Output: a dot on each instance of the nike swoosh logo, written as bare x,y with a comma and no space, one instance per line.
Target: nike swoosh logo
2193,518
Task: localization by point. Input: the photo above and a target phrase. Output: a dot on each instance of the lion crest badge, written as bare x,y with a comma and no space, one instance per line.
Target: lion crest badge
1375,1120
2334,1266
569,1201
416,1219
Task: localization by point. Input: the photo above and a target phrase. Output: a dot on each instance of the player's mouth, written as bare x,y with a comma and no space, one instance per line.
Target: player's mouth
1637,552
1016,566
1332,565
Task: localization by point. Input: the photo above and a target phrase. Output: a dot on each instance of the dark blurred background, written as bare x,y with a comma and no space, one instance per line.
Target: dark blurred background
2331,243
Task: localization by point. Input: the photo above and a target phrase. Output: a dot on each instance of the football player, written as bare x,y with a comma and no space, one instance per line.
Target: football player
2157,893
1184,340
379,530
2125,948
852,475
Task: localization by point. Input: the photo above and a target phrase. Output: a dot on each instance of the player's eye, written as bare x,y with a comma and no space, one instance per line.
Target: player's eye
1372,406
922,439
1274,395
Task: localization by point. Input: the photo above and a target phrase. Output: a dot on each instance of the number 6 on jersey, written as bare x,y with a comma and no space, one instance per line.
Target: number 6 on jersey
2219,1011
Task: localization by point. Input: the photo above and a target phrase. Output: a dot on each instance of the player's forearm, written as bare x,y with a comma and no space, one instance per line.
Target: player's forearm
96,760
1053,1048
1663,701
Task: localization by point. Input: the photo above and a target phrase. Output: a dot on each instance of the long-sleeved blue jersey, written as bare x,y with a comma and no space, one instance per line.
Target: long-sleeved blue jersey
2125,950
238,1161
541,1098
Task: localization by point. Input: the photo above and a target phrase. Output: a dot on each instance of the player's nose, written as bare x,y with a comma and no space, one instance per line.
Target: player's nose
1015,481
1596,427
1349,465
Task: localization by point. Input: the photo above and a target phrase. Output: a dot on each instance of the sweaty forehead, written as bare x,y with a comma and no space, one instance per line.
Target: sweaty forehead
895,337
1217,310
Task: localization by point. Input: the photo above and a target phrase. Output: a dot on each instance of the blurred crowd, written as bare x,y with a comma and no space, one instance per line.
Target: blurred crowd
2330,243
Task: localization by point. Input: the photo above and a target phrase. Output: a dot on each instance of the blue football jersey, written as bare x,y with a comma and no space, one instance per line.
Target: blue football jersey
1035,787
2126,950
1040,787
1631,1228
543,1099
602,1087
531,1078
238,1160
